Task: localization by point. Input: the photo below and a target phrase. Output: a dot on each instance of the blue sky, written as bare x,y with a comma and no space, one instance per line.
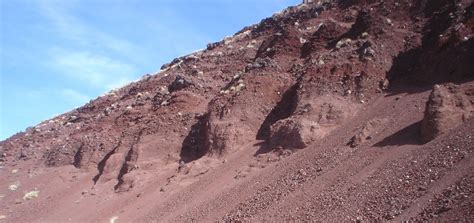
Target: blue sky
58,54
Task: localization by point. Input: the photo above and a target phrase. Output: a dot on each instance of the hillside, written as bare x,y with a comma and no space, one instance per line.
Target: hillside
357,110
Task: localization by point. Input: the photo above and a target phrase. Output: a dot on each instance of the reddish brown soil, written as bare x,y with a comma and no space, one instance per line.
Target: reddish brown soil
313,114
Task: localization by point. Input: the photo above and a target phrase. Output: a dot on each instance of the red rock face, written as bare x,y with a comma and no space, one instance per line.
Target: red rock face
448,107
256,127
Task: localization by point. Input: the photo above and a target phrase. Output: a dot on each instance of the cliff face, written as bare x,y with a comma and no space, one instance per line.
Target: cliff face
286,93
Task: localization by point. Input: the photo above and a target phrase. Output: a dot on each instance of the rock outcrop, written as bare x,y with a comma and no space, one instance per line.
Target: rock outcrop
321,76
448,106
367,132
290,133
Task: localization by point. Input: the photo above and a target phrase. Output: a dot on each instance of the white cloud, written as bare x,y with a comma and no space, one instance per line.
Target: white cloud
74,96
81,33
100,61
96,70
67,95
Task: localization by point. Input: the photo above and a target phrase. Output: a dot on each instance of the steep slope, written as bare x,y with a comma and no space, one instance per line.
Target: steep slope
314,113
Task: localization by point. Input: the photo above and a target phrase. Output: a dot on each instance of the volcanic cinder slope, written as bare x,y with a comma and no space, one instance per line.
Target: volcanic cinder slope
356,110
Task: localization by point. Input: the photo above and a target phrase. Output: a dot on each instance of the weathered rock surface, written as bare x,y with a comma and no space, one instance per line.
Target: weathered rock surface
448,106
212,135
289,133
367,131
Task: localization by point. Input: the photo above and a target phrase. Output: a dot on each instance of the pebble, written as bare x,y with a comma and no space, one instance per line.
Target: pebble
14,187
30,195
114,219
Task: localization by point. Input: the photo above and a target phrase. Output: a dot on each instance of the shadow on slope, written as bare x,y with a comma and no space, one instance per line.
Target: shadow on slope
409,135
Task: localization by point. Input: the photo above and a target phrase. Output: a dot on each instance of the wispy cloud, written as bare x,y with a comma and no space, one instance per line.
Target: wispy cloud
94,69
81,33
66,95
74,96
100,62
